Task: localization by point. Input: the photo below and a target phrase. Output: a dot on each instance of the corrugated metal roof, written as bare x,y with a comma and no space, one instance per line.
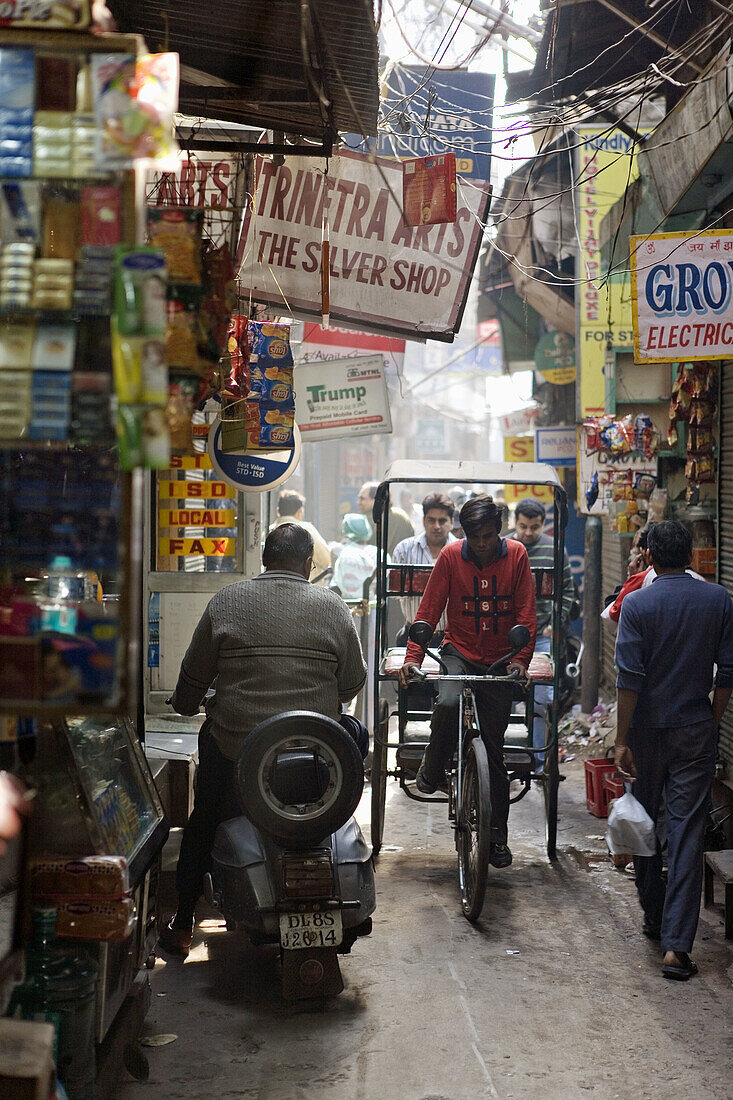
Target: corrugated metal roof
244,60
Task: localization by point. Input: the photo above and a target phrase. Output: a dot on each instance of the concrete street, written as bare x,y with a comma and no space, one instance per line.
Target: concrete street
555,994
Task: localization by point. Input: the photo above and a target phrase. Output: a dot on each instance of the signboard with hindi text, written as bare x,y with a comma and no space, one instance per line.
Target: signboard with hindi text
682,296
385,276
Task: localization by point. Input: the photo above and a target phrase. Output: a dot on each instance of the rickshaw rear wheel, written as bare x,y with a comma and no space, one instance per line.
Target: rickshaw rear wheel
379,776
474,830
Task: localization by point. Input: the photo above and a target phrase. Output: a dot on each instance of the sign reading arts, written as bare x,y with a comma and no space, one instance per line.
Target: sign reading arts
342,397
386,276
682,296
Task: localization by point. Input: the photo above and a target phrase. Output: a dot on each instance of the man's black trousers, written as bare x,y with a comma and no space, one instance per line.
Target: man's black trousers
679,761
494,705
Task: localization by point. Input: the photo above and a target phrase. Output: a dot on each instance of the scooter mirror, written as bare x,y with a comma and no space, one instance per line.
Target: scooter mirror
518,637
421,633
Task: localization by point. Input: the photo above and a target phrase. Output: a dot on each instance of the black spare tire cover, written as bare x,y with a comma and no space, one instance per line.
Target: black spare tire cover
299,824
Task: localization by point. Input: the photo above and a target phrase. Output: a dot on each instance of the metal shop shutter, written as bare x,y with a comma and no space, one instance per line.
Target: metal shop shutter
725,525
614,562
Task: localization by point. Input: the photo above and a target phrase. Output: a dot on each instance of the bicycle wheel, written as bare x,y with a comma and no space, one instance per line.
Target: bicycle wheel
550,785
379,776
474,827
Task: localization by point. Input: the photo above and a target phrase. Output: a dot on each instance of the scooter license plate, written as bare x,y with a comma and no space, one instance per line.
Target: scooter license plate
301,930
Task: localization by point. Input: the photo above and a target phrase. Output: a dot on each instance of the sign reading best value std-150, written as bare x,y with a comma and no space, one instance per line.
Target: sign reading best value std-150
385,276
682,296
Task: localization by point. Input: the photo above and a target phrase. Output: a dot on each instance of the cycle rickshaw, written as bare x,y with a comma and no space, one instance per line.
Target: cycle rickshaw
468,798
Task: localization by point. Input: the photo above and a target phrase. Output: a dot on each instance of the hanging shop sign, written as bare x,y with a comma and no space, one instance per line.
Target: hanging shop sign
71,15
251,473
606,165
430,112
429,189
320,345
385,276
556,446
521,449
203,181
342,397
431,438
522,420
554,358
682,296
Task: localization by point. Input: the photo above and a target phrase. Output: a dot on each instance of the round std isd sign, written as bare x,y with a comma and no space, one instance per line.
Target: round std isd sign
253,472
554,358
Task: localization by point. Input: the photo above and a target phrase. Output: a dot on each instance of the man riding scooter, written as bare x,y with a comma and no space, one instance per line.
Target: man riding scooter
274,643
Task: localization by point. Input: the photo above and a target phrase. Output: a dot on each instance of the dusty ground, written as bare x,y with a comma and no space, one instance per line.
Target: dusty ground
554,994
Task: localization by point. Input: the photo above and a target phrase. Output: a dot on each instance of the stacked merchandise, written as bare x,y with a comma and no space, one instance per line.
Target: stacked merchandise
693,403
634,493
258,401
200,295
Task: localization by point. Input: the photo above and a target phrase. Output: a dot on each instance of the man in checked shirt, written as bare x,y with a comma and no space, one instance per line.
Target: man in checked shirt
423,549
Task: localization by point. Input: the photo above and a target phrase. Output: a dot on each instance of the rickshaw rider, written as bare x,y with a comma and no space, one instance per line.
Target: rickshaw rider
487,585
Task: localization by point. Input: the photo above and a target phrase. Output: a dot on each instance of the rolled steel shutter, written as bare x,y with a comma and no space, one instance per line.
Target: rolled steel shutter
725,526
614,561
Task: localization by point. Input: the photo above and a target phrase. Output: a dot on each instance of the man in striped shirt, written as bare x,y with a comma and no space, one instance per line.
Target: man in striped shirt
423,549
529,522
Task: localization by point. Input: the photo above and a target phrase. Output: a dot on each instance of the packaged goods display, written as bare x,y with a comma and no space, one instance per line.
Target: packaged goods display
694,399
135,99
79,876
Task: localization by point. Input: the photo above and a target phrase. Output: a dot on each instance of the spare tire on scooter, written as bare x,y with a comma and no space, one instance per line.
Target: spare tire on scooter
299,777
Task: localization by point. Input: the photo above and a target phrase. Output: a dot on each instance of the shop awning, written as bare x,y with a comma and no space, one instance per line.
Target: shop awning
685,166
266,64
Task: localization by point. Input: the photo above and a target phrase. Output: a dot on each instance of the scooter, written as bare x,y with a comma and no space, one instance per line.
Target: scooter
294,869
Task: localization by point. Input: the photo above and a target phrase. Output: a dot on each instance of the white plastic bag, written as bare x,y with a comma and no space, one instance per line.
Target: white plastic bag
630,829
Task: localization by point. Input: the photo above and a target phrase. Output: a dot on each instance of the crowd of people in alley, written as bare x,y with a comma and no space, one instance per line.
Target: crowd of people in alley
674,655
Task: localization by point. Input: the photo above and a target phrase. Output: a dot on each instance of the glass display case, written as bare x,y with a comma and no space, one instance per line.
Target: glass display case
97,797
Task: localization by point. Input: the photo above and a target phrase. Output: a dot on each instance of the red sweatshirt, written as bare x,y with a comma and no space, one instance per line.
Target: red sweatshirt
483,604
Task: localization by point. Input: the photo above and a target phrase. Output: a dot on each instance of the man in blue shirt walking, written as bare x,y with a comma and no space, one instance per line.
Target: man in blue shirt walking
670,636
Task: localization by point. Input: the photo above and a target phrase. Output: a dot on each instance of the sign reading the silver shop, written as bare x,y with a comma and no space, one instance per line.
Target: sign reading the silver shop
682,296
385,276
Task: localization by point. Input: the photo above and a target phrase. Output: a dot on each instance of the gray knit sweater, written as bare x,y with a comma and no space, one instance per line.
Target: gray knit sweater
274,643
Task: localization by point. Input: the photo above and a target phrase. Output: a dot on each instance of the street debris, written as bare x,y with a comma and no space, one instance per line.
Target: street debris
587,735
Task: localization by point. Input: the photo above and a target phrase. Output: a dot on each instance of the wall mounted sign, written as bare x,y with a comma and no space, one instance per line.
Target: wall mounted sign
251,473
682,296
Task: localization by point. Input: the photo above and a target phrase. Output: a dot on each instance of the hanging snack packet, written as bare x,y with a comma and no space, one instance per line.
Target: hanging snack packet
134,103
274,385
271,342
140,291
177,232
238,380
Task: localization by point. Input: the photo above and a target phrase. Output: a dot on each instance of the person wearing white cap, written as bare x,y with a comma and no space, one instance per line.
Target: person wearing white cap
357,561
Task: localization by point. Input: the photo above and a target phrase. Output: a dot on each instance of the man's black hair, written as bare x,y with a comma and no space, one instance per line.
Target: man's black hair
530,508
670,544
438,500
289,502
479,512
287,547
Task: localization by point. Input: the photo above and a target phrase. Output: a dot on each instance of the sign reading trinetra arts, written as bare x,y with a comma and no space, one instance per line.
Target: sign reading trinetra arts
386,276
682,296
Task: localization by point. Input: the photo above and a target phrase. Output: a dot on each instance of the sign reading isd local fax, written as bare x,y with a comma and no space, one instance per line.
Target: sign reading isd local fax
342,397
385,276
682,296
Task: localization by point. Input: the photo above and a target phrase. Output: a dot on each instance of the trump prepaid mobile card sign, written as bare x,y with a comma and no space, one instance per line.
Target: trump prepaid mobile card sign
682,291
386,276
341,397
